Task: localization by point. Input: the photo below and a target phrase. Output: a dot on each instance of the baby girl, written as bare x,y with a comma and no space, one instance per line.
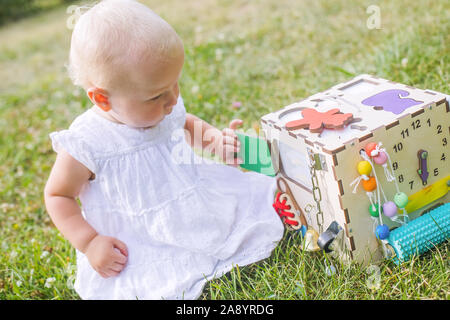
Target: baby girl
150,226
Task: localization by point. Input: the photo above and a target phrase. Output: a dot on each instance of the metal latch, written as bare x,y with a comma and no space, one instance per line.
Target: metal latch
318,160
325,239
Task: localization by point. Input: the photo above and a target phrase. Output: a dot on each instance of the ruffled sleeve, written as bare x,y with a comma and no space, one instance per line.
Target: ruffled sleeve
73,144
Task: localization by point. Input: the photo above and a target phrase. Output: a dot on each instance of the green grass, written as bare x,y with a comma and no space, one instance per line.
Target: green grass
12,10
265,54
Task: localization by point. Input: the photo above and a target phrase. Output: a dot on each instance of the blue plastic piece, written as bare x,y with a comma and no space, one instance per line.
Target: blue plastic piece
421,234
382,232
303,230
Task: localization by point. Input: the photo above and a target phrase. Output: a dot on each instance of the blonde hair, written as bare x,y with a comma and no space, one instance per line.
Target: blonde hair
114,34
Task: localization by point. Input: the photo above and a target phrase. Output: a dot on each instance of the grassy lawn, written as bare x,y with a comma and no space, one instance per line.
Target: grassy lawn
264,54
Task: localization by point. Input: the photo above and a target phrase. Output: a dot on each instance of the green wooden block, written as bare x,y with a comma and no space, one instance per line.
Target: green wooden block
255,154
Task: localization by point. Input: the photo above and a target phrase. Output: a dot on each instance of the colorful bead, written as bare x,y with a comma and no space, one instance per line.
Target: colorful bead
364,167
381,158
382,232
389,209
369,185
401,199
371,149
373,210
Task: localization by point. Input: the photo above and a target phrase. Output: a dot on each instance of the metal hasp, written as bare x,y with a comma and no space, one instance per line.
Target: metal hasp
326,238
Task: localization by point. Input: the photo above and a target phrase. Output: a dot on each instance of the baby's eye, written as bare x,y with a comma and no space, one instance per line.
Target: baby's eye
155,98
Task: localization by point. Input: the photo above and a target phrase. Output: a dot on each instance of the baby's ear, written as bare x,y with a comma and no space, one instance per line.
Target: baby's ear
99,97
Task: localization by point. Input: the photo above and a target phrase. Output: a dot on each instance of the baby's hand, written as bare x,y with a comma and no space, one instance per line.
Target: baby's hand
104,257
230,144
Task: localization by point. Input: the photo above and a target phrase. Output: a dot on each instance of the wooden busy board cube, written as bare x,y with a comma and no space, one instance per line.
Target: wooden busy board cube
318,143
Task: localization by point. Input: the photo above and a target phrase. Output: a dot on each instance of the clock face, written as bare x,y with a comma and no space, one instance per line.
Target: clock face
418,147
431,158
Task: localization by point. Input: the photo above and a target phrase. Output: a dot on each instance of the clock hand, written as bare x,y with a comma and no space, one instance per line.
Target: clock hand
422,171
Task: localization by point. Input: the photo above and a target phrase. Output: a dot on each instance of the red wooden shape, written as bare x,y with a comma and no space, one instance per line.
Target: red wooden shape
316,121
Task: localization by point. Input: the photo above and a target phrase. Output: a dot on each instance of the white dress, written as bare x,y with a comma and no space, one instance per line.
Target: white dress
184,219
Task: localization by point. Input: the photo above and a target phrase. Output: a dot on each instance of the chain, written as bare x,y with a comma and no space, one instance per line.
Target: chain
317,195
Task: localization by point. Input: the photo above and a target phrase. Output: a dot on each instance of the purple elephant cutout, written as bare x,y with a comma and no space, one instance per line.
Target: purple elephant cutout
393,100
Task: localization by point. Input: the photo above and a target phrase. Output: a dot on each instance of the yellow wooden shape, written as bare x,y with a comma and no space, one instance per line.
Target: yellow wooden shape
427,195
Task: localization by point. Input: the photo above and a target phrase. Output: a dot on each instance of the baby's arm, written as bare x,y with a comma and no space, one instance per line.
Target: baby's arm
201,134
64,184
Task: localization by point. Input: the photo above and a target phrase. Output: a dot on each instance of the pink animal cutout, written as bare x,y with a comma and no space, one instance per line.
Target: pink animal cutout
316,121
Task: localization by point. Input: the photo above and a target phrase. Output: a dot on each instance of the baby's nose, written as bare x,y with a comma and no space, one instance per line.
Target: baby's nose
172,101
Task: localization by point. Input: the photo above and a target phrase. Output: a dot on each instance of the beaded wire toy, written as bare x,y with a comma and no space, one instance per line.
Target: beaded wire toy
372,154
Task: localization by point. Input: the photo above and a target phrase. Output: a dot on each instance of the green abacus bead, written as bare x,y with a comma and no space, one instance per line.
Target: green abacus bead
401,199
373,210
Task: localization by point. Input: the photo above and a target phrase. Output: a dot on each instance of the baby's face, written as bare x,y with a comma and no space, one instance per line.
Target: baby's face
151,94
